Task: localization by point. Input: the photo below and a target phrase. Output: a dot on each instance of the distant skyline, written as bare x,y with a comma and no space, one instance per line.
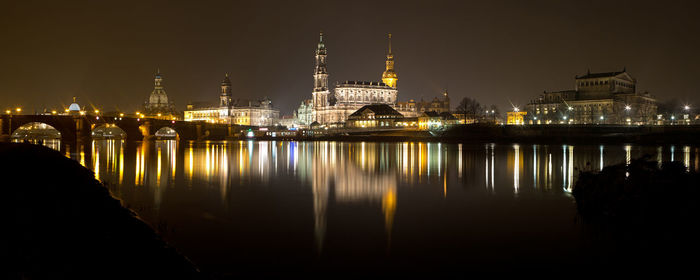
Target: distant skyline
106,53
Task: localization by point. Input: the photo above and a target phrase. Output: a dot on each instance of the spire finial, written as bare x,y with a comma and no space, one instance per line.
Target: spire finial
389,43
73,99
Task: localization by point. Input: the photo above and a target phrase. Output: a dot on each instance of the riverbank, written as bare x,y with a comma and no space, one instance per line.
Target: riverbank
62,223
542,134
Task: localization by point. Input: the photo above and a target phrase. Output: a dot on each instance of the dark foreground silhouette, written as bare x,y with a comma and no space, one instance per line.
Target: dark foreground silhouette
61,223
649,212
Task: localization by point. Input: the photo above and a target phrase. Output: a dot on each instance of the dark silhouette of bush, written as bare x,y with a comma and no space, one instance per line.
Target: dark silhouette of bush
641,192
61,223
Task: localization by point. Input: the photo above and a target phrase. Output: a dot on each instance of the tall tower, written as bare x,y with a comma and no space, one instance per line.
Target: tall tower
389,76
225,92
321,92
320,71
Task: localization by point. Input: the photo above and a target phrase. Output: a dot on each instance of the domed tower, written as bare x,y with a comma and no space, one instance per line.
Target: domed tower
74,108
225,92
389,76
158,102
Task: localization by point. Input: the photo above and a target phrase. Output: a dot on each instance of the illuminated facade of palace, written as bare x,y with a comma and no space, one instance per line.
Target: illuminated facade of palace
598,98
235,111
411,108
334,107
158,104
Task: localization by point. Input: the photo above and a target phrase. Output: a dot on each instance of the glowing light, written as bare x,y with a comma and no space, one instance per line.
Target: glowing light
628,107
18,110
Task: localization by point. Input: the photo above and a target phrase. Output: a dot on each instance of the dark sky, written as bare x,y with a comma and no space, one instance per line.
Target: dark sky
106,52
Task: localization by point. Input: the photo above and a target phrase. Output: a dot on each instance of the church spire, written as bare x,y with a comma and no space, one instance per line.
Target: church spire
389,43
320,71
389,76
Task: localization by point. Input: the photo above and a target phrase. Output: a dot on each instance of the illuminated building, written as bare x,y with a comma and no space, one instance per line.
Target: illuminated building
235,111
377,115
597,98
430,120
303,116
334,108
515,117
412,108
158,104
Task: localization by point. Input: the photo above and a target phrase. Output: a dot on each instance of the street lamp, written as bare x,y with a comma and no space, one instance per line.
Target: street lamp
19,110
628,107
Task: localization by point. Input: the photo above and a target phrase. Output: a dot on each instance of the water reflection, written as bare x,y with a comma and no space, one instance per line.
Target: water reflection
377,179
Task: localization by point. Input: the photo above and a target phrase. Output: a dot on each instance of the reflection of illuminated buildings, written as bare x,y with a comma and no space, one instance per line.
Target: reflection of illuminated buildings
355,176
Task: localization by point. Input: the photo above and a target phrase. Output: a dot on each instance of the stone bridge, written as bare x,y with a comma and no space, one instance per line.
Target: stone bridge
75,129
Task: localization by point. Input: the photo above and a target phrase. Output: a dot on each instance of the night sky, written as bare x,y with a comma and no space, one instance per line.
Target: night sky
106,52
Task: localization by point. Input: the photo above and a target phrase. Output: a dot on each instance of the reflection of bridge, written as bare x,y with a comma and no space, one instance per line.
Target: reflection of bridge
75,129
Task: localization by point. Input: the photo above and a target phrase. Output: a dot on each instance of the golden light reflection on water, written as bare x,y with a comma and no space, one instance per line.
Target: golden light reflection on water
356,174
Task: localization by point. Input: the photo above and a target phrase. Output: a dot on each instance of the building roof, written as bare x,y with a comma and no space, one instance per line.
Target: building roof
600,75
362,83
431,114
447,116
377,109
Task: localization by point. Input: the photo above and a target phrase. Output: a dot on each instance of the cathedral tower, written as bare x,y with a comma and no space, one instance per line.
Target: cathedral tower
225,92
321,93
389,76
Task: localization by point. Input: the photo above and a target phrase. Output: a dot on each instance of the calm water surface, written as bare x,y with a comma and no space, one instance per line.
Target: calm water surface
246,205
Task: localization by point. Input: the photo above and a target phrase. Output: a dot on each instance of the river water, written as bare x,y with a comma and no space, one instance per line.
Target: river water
246,206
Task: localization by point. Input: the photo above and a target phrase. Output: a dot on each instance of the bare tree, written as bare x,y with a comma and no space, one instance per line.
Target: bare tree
469,107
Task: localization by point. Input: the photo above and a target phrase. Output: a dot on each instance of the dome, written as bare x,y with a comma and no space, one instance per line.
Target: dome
74,107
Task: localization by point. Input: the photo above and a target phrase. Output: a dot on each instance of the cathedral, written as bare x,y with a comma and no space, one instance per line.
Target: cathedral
333,108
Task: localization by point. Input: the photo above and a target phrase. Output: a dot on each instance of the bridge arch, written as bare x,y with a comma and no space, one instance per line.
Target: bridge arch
37,133
108,131
166,132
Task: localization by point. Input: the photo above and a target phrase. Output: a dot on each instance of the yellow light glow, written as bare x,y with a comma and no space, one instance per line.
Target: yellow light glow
19,110
121,114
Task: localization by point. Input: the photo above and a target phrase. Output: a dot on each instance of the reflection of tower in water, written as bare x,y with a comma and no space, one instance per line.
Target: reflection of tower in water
357,176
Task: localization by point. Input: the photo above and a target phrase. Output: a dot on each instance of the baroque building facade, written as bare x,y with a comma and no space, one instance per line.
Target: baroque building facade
411,108
333,107
235,111
597,98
